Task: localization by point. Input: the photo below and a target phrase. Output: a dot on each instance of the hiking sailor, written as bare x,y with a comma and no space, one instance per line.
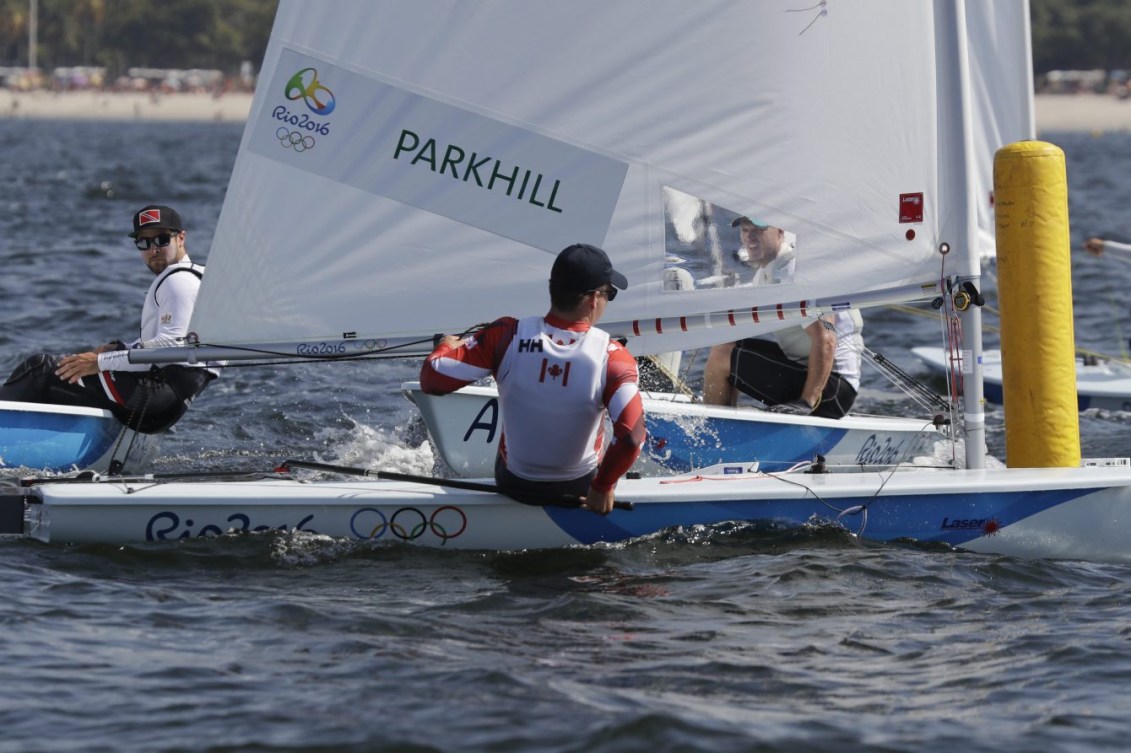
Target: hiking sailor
146,398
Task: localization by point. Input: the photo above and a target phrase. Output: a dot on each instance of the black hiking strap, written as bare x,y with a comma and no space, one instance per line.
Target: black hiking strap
191,268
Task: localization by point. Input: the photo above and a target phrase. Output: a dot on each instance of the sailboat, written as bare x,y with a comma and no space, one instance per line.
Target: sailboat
409,169
686,433
682,436
1002,83
1101,383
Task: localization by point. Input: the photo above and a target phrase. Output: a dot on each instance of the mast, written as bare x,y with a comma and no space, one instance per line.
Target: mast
958,226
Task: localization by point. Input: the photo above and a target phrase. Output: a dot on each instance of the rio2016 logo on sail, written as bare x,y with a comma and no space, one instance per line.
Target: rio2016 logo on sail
319,100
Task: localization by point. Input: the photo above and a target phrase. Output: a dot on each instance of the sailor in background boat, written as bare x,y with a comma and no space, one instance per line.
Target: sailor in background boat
810,370
1097,246
770,251
557,375
146,398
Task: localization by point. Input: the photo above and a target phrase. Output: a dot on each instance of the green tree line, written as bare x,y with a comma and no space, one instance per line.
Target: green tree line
220,34
1080,34
120,34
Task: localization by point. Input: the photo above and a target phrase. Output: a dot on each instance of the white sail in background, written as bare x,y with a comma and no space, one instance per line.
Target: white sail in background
413,168
1001,72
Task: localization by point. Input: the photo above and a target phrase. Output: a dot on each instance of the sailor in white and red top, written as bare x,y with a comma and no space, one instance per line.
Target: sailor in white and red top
557,376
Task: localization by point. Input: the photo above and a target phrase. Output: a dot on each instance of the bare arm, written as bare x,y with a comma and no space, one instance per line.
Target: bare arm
1097,246
822,351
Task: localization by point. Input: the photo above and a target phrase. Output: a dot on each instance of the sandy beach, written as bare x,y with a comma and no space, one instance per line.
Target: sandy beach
1082,112
92,105
1055,112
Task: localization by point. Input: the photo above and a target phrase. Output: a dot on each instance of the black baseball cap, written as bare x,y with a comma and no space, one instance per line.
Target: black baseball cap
156,216
756,223
581,268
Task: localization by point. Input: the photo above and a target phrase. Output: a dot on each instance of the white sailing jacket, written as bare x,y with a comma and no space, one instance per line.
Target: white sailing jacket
164,315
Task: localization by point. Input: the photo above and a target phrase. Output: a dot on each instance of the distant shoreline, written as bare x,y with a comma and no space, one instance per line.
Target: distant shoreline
125,106
1082,112
1055,112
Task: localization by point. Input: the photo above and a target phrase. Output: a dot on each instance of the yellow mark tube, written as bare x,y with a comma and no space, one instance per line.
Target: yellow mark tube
1042,423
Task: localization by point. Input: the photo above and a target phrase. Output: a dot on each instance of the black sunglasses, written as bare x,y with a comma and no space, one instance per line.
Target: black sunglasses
161,240
610,293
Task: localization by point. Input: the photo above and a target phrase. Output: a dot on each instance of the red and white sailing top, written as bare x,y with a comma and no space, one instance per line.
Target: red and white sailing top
556,379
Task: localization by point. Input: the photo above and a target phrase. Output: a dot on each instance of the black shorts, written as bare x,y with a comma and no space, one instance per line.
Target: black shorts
146,401
562,493
760,369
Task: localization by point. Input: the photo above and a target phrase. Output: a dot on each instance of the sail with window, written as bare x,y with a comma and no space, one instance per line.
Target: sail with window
450,212
413,168
394,184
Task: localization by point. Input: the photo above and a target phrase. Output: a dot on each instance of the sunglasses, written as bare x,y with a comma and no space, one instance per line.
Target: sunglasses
161,240
610,293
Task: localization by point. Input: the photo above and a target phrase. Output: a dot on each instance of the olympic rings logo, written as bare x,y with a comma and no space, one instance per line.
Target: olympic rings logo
304,85
294,140
409,523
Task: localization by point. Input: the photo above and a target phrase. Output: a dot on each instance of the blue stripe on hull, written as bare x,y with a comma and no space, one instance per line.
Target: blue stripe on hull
53,441
705,442
952,519
995,394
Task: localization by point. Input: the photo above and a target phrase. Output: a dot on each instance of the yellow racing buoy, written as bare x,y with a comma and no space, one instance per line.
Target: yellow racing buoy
1038,345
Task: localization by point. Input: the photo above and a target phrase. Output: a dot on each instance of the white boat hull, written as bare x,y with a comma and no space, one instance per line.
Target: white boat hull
1102,384
465,427
1077,513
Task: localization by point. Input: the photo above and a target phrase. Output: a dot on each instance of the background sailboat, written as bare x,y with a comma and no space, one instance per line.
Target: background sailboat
1002,85
444,178
1100,383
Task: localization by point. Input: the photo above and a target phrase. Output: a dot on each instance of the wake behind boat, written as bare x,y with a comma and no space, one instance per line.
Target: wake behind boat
444,177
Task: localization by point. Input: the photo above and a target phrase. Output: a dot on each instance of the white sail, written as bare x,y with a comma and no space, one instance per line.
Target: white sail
998,35
379,217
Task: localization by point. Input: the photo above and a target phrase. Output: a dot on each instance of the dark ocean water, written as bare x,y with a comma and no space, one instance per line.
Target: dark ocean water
722,639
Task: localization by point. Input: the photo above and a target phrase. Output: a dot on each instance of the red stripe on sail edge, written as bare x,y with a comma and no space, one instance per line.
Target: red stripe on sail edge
636,327
683,323
659,326
803,312
754,314
730,318
781,312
